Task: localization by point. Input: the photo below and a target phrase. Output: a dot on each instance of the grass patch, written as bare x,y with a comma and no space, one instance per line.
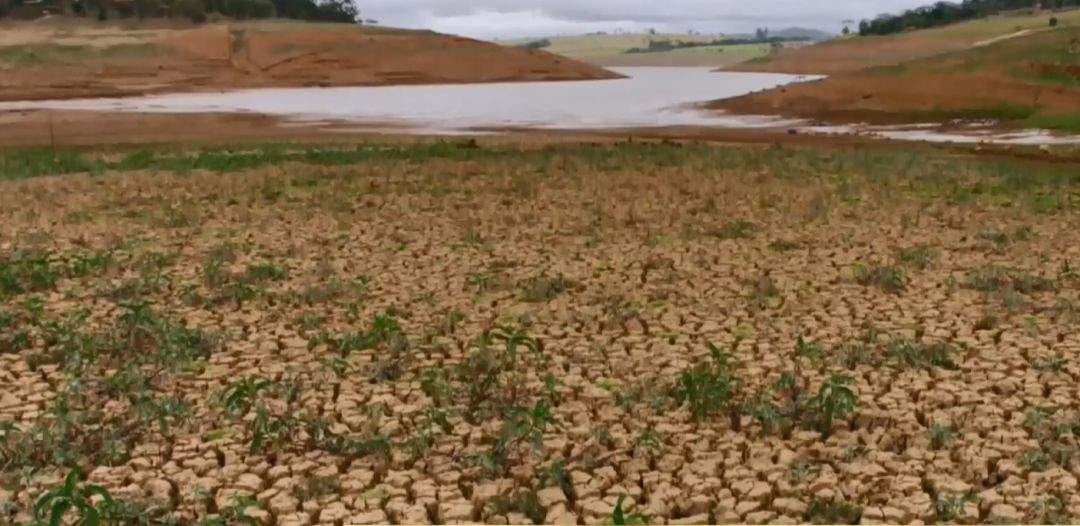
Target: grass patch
30,55
1001,112
1062,122
993,278
888,278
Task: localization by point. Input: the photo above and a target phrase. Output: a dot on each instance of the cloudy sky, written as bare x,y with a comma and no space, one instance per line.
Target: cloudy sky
490,19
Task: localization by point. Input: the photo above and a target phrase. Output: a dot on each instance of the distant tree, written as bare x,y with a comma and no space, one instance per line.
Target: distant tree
337,11
1053,21
846,31
762,34
942,13
536,44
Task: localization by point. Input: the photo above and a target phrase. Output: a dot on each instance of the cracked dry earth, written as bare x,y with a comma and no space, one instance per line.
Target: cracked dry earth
441,334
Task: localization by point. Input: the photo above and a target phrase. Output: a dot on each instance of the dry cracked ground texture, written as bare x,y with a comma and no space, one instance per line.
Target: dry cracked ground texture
522,337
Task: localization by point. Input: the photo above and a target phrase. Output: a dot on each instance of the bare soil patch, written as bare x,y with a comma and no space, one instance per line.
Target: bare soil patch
447,332
51,60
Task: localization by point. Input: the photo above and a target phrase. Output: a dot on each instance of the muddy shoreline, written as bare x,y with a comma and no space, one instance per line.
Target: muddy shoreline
88,129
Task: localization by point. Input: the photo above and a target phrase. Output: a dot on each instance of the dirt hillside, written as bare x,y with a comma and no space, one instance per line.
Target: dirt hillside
65,59
1030,80
855,53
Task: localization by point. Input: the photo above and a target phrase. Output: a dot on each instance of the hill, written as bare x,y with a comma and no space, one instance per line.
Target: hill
1030,79
802,32
854,53
612,49
65,58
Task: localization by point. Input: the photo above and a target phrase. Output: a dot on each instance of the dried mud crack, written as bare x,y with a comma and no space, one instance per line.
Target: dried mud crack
429,333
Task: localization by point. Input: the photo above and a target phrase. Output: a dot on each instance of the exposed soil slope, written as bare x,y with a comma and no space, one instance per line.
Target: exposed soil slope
67,59
855,53
1031,80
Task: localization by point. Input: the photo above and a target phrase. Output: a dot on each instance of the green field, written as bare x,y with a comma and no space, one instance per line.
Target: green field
610,50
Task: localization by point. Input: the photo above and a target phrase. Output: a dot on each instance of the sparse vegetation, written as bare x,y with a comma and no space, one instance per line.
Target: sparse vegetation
325,326
708,388
890,279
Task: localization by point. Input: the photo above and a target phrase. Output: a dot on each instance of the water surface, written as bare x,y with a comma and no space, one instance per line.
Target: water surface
647,97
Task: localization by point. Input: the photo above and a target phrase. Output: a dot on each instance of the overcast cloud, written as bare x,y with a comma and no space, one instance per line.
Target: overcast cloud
490,19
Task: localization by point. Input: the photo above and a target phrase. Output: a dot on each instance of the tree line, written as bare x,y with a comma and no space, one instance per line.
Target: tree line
196,10
943,13
761,36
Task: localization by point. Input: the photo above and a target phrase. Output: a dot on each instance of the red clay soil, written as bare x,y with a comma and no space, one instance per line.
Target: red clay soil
916,97
1002,81
263,54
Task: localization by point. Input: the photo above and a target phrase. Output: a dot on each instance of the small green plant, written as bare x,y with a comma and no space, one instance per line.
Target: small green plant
514,337
522,501
736,229
832,511
1052,510
708,388
85,264
555,474
13,338
770,416
543,289
1048,364
834,400
993,235
23,273
437,385
921,257
992,278
239,397
800,472
941,436
916,354
432,423
313,487
72,503
950,508
809,350
266,272
521,427
619,517
233,513
784,245
270,429
1035,460
890,279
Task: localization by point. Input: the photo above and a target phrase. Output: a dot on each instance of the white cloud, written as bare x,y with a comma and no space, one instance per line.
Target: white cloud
516,18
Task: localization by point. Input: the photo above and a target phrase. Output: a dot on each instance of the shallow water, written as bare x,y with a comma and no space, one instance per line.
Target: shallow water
648,97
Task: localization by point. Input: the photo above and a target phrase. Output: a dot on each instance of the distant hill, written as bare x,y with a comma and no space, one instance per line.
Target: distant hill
607,49
802,32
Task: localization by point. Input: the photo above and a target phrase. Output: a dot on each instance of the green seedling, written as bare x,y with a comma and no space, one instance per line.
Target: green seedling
708,388
833,401
620,518
73,503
